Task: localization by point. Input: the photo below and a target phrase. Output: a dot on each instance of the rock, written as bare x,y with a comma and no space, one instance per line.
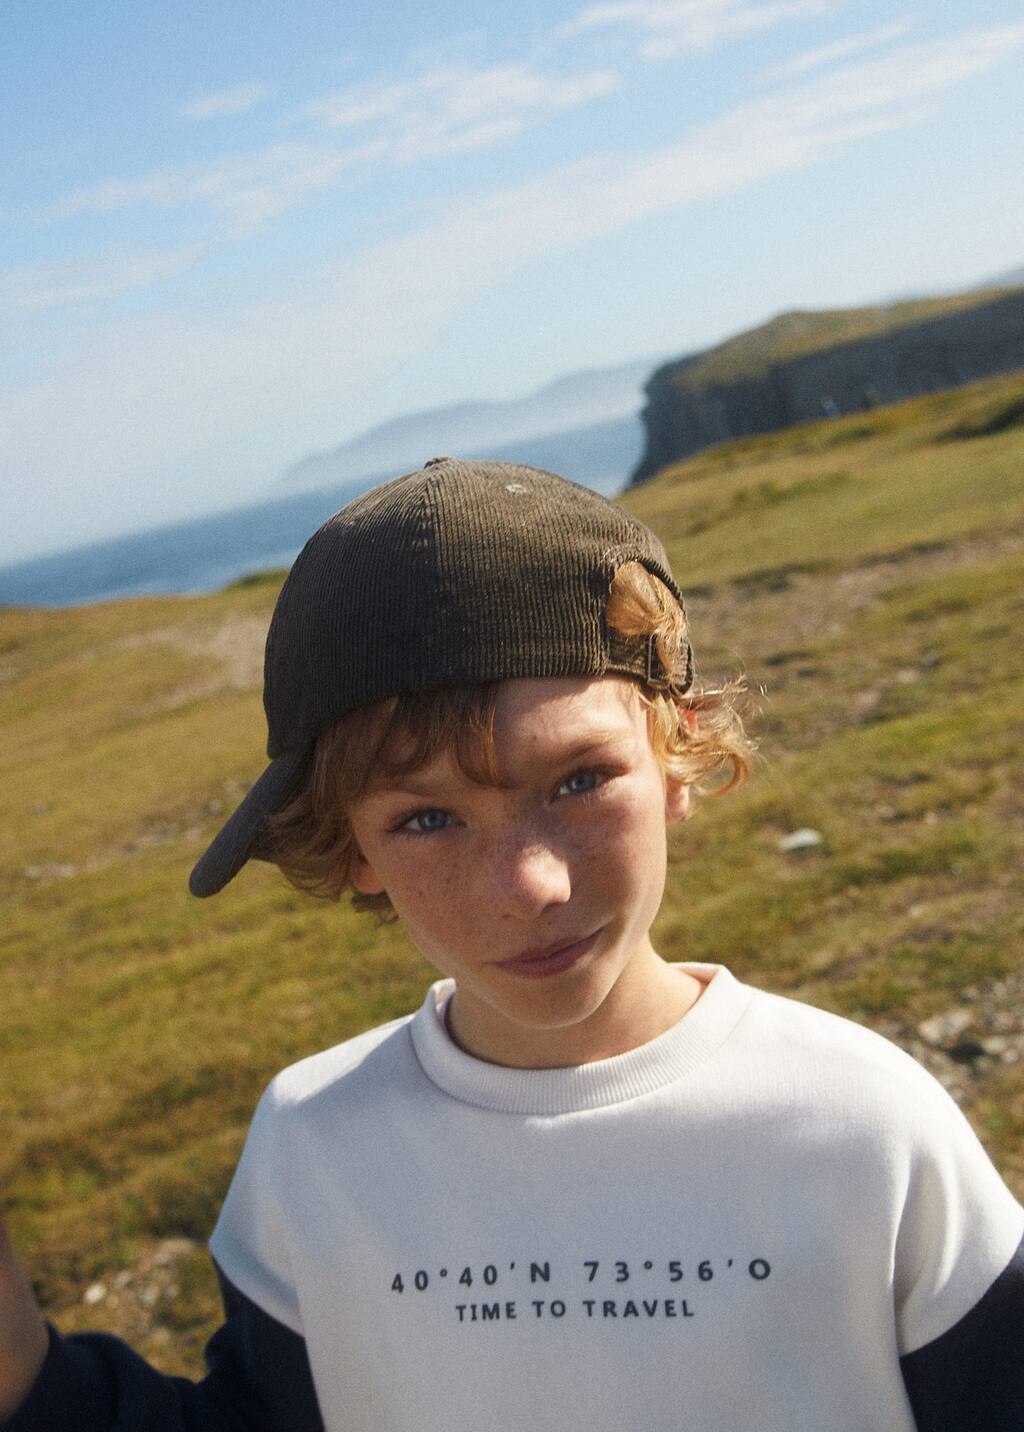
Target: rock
943,1030
172,1250
95,1293
803,839
995,1044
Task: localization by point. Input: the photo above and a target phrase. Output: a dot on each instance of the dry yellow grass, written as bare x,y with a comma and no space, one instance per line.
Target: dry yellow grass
867,573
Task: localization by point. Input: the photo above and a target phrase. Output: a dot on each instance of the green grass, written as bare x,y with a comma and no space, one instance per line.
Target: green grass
273,577
868,574
799,334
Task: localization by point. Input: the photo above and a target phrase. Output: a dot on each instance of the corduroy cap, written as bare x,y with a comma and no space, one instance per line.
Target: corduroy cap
462,572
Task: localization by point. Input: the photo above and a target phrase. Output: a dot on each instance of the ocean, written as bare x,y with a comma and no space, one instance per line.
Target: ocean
199,555
206,553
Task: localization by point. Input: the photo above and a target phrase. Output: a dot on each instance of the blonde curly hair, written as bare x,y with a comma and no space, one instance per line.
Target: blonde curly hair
697,736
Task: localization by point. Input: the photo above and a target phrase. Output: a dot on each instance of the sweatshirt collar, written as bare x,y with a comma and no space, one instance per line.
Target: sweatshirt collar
671,1056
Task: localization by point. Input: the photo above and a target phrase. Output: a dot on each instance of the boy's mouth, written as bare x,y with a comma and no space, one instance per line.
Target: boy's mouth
535,964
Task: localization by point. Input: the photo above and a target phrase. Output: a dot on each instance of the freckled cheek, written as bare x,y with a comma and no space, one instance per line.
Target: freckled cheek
436,887
630,843
634,819
435,914
588,839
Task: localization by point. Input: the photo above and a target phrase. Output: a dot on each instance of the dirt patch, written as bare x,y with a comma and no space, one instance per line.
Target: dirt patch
191,826
235,645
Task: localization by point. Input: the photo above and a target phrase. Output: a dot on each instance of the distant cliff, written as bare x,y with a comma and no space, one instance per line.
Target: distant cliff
801,366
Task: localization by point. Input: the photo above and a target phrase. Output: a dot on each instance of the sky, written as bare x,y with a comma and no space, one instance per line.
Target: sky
237,231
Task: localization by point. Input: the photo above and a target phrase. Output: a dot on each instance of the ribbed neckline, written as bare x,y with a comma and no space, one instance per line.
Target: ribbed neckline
673,1055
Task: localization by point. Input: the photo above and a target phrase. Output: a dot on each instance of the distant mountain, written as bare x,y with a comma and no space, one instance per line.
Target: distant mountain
588,417
600,456
806,365
1012,278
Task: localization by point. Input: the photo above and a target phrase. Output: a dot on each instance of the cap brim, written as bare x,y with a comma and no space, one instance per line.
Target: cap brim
238,839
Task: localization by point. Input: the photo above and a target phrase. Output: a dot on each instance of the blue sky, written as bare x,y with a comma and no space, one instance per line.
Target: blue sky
232,233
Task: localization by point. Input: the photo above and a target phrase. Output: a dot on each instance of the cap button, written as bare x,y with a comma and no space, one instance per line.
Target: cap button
433,461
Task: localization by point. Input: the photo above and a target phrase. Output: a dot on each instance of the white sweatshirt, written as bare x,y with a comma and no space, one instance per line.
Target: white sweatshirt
742,1226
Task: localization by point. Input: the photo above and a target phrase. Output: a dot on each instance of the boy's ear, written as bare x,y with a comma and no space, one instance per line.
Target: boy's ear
677,793
364,877
677,801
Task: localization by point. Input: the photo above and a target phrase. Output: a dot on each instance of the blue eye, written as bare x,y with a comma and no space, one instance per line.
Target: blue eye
580,783
424,822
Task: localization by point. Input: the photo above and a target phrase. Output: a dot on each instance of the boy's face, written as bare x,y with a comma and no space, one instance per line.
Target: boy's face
536,897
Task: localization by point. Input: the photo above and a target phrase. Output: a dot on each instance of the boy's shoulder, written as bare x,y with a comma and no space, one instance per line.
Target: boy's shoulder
819,1069
806,1038
375,1059
818,1032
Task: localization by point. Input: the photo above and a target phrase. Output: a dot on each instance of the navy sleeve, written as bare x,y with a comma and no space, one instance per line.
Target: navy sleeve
971,1379
258,1380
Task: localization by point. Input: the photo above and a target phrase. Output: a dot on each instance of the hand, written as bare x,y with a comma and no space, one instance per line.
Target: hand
23,1336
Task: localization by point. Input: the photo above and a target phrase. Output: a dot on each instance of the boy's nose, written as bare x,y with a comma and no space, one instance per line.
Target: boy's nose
530,876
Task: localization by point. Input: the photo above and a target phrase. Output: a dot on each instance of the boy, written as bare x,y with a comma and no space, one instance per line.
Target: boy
580,1188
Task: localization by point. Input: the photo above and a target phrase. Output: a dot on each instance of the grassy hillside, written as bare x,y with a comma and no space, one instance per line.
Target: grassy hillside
867,573
798,334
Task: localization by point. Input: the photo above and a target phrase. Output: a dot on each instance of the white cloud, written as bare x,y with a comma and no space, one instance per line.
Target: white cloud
445,111
437,266
789,130
669,29
906,74
840,50
452,108
152,408
69,283
238,100
247,190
